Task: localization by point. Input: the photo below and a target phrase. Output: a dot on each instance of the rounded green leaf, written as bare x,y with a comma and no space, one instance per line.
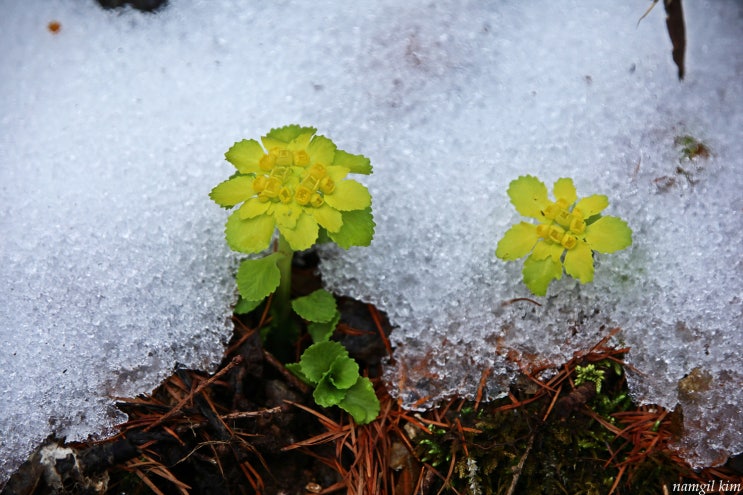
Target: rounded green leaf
361,402
317,359
357,230
579,262
546,249
349,195
296,370
303,235
529,195
358,164
517,241
282,136
538,274
258,278
343,372
337,173
321,150
564,189
320,332
330,219
252,235
591,205
286,215
233,191
319,306
608,234
245,156
253,207
326,394
244,306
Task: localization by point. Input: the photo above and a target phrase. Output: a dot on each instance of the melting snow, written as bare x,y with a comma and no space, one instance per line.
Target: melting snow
112,262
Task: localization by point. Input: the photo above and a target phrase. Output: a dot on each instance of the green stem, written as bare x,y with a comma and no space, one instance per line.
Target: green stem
282,298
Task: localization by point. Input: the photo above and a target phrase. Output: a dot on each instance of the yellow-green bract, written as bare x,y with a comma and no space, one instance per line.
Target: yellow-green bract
567,233
294,181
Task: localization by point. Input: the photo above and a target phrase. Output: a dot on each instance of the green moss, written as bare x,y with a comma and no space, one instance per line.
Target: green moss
569,453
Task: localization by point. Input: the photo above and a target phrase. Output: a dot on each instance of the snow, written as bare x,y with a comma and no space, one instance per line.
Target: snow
113,265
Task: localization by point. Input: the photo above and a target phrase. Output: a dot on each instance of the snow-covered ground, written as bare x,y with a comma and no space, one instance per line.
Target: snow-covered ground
113,265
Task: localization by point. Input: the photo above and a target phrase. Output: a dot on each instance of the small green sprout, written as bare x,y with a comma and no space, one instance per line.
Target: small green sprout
320,311
568,232
335,376
589,373
294,182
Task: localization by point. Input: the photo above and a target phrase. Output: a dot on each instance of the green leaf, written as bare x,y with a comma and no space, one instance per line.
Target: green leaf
517,241
318,306
328,218
257,279
245,306
564,189
349,195
321,332
361,402
579,262
233,191
358,164
281,136
245,156
591,205
326,394
296,370
251,235
357,230
303,234
343,372
317,359
321,150
538,274
529,195
608,234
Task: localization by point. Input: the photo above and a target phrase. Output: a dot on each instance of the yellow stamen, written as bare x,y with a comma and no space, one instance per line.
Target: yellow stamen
327,185
555,234
281,173
316,200
569,241
301,158
563,217
273,186
310,183
551,211
284,158
302,195
285,195
577,224
317,171
259,184
267,162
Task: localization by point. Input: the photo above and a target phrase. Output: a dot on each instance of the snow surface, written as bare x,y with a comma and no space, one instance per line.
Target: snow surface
113,265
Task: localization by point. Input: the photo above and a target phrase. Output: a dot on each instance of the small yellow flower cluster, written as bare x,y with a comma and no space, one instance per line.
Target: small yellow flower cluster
296,182
276,184
568,232
572,221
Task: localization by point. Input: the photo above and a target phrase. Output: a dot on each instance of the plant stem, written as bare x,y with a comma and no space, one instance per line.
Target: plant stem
282,297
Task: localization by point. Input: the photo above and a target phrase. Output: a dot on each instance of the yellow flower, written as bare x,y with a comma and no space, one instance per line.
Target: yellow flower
568,232
296,182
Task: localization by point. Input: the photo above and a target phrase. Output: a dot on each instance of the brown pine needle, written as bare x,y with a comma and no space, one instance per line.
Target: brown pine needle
235,361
